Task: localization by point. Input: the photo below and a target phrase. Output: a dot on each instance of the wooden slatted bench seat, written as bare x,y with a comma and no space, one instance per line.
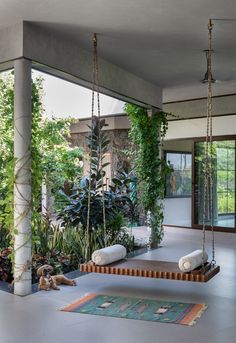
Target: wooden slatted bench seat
152,269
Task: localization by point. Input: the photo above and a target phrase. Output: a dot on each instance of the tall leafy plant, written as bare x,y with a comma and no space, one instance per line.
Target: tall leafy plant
147,133
116,199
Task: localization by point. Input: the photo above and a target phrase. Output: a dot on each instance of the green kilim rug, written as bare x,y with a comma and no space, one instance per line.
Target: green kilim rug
137,308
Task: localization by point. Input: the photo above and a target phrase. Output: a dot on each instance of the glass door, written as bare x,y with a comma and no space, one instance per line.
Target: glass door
223,184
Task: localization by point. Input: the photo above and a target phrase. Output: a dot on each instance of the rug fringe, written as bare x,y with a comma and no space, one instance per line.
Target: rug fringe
75,301
198,315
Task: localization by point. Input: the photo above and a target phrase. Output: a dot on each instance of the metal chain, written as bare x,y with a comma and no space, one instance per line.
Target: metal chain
208,172
95,88
99,135
210,27
90,164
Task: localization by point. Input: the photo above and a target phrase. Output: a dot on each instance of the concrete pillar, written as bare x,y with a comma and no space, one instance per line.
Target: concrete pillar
22,185
154,231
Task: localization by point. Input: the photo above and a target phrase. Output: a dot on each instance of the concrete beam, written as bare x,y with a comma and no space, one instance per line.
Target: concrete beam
189,109
64,58
11,45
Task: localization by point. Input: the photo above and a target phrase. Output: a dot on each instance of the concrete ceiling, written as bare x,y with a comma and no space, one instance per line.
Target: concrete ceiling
158,40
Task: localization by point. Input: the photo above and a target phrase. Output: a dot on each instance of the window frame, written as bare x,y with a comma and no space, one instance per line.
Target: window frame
191,170
199,226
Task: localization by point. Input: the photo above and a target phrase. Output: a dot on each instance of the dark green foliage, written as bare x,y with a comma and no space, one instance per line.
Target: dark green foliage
115,198
76,210
117,233
5,265
4,237
125,182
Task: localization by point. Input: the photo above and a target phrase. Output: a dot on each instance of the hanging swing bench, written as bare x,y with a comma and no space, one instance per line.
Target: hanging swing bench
153,269
164,269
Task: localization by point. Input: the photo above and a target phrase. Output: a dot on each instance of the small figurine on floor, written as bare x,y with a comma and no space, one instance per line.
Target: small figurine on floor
48,281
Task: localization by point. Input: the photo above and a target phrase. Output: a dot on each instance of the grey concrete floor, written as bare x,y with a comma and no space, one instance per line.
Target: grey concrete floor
37,318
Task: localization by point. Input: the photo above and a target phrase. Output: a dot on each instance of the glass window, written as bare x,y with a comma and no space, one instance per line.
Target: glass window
179,181
223,179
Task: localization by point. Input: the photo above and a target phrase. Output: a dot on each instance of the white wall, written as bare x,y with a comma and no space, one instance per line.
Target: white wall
193,113
197,108
177,211
225,125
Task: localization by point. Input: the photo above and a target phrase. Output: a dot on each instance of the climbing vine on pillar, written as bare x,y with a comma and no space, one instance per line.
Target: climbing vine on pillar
147,132
53,159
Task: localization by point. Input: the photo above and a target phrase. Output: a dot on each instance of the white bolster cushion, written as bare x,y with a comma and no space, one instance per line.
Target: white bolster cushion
192,261
108,255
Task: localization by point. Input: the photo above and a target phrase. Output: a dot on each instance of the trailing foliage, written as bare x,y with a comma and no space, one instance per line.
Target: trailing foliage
147,132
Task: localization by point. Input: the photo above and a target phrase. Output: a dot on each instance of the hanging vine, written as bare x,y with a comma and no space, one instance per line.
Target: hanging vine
147,132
